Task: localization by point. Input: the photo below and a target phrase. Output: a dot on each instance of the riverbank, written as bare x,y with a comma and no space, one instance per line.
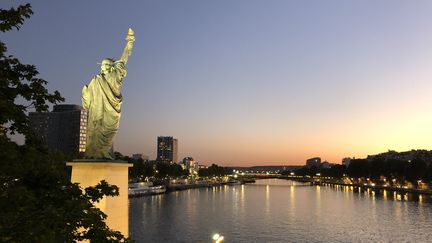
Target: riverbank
379,187
162,189
181,187
185,186
367,185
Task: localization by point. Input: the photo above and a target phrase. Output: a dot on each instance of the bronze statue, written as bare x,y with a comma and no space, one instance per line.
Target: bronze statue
102,98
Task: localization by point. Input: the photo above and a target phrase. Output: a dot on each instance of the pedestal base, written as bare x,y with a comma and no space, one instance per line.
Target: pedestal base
91,172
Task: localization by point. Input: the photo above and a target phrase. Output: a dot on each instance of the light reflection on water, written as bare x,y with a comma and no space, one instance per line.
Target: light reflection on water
281,211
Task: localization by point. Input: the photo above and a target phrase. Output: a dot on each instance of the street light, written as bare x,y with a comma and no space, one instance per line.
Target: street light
218,238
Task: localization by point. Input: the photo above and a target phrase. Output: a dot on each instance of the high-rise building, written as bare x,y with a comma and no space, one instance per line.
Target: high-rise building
63,129
313,162
166,149
190,165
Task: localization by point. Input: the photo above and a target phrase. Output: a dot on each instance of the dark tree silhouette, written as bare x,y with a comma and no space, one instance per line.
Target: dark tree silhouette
38,203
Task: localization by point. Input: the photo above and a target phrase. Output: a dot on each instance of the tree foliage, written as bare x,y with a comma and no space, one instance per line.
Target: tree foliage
156,169
19,80
38,203
376,168
14,18
164,169
411,170
214,170
140,169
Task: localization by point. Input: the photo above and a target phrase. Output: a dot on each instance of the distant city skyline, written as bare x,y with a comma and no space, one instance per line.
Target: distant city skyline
243,83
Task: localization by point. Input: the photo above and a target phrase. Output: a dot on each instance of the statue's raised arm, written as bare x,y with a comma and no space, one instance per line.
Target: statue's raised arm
130,38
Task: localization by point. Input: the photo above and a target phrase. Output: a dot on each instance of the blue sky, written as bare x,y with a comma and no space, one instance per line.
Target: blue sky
247,82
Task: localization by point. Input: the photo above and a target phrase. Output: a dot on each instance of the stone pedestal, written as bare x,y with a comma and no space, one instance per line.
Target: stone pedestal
91,172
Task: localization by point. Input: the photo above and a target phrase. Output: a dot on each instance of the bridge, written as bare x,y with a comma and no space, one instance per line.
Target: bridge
313,180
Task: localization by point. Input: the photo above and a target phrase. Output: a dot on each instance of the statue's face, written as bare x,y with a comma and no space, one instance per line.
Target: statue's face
106,66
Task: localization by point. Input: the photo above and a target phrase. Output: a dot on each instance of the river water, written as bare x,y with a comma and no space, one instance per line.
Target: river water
281,211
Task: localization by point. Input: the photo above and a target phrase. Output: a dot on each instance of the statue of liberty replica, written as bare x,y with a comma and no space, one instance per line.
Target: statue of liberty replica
102,98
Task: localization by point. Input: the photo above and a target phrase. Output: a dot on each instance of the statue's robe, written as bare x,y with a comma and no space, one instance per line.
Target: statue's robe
102,98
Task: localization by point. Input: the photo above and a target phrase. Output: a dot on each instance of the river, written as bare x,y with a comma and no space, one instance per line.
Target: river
276,210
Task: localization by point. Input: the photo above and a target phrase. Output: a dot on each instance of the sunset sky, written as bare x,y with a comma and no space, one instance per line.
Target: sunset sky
245,82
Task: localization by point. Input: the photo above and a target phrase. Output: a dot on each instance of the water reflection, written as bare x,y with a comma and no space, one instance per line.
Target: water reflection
242,197
292,197
382,194
282,211
267,200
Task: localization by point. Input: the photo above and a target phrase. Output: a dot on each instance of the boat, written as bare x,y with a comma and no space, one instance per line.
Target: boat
233,182
145,188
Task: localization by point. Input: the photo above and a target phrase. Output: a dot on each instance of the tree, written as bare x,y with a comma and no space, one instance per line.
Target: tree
140,169
336,171
214,170
38,203
358,168
165,169
416,170
20,81
429,173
